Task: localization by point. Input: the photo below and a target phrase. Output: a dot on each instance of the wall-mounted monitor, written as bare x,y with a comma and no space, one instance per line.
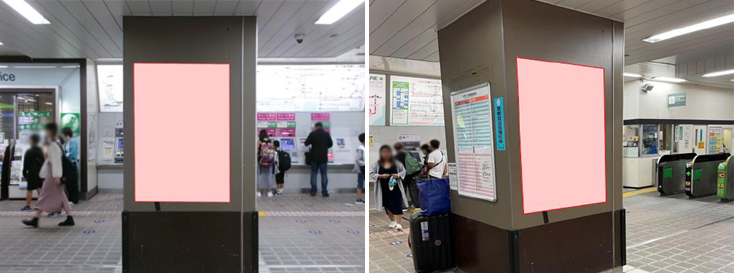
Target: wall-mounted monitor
561,169
170,100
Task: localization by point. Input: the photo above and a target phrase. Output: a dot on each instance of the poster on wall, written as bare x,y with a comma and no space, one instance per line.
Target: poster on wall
416,102
473,143
277,124
109,85
377,99
72,121
92,137
310,88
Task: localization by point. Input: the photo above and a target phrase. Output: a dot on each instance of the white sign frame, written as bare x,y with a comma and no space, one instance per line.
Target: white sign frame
493,180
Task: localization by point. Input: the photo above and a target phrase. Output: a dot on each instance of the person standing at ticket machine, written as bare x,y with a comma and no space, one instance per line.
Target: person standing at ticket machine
71,149
436,161
320,142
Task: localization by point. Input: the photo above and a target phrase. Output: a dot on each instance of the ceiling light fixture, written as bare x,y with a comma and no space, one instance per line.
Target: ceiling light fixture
692,28
667,79
22,7
632,75
718,73
1,43
337,11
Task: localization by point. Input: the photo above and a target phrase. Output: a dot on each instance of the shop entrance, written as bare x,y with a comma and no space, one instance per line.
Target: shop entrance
24,111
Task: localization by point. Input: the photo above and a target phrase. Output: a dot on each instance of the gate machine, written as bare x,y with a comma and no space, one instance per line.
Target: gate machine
725,185
671,173
702,174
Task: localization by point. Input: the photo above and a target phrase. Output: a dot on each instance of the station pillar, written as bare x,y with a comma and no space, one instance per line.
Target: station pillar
170,222
550,196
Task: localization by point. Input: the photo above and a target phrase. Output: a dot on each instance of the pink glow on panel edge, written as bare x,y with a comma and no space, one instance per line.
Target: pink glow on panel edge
554,98
171,99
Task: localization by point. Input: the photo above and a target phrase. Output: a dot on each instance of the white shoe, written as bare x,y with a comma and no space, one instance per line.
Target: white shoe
270,194
259,194
392,224
398,227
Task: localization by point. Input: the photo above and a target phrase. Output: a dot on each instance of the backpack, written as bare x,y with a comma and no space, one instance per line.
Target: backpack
268,155
412,166
284,161
69,170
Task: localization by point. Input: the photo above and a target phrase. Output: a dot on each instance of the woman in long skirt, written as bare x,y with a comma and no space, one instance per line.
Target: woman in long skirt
52,198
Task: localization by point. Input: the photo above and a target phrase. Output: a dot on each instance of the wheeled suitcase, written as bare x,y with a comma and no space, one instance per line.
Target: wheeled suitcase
430,242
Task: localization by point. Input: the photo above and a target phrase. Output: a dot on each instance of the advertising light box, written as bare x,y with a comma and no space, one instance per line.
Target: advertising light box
171,100
560,170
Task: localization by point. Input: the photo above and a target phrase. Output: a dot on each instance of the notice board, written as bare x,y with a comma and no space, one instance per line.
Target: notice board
416,102
473,142
377,99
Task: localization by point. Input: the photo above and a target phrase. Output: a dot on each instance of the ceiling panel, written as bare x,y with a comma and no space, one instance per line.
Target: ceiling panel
93,28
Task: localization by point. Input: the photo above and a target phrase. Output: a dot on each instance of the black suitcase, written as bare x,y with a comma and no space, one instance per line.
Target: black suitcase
430,242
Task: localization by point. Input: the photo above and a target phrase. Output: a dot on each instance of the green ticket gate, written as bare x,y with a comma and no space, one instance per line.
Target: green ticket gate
671,173
702,174
725,181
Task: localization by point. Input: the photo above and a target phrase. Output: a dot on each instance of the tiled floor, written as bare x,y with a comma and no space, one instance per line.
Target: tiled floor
664,234
298,233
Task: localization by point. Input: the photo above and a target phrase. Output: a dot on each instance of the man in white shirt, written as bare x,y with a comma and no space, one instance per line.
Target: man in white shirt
436,161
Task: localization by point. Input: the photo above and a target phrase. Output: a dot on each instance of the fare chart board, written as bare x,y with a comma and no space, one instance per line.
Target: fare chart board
377,99
310,88
416,102
109,85
474,144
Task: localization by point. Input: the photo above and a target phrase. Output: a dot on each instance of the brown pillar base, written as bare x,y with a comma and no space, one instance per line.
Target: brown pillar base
587,244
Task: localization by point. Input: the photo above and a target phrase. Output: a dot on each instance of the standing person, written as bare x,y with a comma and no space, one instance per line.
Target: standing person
266,158
284,164
320,142
52,198
436,161
425,150
388,196
32,163
409,181
359,169
71,149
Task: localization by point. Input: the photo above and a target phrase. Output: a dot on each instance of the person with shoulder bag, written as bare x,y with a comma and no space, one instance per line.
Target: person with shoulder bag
267,158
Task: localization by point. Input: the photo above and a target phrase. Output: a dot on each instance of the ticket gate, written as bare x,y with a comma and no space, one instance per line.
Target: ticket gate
671,173
702,174
725,181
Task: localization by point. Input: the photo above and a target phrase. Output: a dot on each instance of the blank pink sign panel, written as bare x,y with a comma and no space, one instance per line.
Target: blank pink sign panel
562,138
172,100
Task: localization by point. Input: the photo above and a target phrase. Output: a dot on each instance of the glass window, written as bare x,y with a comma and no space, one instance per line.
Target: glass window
666,138
649,139
631,141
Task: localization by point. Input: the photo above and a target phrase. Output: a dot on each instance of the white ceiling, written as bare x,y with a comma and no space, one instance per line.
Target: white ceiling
93,28
407,29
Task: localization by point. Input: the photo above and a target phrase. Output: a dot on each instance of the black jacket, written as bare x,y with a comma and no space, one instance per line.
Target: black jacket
320,142
32,163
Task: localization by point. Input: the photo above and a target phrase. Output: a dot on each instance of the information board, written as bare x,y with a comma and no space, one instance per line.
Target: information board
310,88
473,142
416,102
109,85
377,99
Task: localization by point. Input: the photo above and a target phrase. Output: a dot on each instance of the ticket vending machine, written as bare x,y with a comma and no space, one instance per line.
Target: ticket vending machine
288,145
119,145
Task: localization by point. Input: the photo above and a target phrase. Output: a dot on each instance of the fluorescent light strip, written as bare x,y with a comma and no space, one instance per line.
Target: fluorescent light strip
1,43
338,11
718,73
22,7
693,28
632,75
667,79
23,66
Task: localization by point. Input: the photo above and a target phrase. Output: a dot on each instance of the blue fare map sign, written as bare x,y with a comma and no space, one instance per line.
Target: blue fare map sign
499,123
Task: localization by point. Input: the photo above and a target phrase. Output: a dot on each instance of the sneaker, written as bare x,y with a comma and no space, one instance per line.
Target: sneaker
398,227
279,193
270,194
259,194
68,222
26,208
54,214
392,224
325,195
359,202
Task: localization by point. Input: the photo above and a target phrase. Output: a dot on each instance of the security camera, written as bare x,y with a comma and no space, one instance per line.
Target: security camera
299,37
647,88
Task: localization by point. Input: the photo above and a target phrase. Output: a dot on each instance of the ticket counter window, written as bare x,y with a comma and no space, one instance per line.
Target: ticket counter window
650,143
631,142
665,139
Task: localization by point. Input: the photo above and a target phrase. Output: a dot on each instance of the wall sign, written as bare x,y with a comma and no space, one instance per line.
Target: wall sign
677,99
377,99
416,102
73,121
7,77
499,123
473,143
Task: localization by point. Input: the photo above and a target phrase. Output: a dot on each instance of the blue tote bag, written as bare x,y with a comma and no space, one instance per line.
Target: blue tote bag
434,196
